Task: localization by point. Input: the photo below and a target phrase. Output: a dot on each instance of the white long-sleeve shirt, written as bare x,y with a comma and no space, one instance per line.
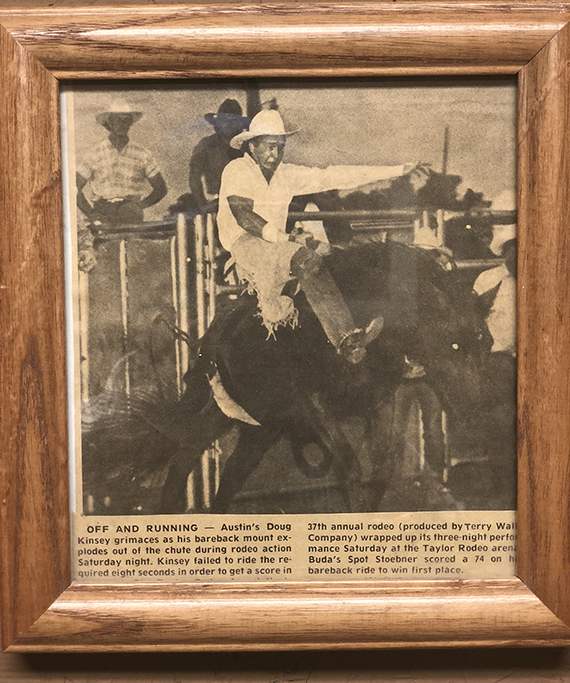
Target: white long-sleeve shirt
243,178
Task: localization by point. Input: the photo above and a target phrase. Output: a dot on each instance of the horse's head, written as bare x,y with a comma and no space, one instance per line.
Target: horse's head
451,340
431,320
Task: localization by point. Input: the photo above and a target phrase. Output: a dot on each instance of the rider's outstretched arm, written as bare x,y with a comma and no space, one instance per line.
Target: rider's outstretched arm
308,180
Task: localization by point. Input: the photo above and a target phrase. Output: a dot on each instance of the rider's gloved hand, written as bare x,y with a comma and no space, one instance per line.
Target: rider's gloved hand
304,237
418,173
322,248
416,167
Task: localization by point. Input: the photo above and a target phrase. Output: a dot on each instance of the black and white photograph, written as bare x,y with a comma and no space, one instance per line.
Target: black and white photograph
293,297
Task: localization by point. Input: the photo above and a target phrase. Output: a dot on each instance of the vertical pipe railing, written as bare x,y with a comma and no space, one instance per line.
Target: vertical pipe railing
176,304
190,492
199,244
446,454
425,219
421,438
200,240
206,481
210,458
124,279
84,335
180,259
440,231
417,228
211,268
217,469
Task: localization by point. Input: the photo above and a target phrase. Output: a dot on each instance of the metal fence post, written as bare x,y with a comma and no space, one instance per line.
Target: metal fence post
199,243
84,334
124,278
211,267
182,321
440,231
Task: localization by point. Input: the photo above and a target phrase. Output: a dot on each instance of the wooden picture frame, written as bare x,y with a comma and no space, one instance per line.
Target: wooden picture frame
41,609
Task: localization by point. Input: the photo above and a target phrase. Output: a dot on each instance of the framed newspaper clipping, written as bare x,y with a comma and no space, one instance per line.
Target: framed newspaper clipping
271,372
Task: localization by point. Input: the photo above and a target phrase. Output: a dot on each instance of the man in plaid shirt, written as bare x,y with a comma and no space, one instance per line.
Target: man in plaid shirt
118,173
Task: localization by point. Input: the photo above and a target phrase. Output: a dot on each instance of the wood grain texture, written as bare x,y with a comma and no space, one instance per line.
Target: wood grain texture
261,40
304,39
34,518
544,325
295,616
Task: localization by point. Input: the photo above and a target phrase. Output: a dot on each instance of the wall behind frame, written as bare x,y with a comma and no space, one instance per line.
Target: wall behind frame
421,666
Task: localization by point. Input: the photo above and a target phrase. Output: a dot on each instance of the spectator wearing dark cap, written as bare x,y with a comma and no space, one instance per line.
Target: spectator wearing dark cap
213,153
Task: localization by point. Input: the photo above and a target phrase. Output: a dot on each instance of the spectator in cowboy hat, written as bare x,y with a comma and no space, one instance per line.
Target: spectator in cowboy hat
496,290
255,194
213,153
118,173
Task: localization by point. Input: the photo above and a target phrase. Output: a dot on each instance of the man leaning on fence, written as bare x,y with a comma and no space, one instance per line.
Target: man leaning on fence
254,198
120,176
213,153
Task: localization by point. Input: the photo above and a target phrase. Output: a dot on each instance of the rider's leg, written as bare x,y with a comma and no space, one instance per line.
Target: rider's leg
322,293
330,307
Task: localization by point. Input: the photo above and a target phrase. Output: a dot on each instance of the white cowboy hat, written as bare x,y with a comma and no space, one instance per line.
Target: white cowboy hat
505,201
119,106
267,122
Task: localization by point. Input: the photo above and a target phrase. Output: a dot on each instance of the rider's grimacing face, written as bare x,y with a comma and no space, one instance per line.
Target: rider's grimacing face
267,151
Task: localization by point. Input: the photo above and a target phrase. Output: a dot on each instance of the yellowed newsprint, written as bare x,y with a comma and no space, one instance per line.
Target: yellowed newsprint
292,330
207,548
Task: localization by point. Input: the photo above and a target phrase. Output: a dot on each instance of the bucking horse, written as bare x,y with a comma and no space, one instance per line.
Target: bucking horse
294,383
